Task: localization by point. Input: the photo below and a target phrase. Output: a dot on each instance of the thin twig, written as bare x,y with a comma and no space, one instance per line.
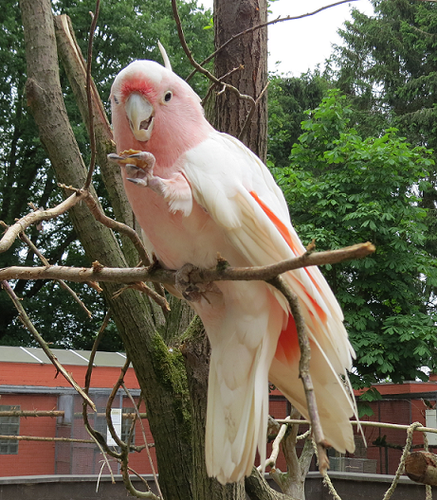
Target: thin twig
89,95
111,398
111,223
94,350
263,25
97,437
198,67
149,456
62,284
249,117
24,318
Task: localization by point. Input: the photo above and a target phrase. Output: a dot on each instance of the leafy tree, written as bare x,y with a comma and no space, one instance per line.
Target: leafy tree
343,189
289,98
388,66
389,63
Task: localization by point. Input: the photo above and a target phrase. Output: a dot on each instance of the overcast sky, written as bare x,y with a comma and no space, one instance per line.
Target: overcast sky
301,44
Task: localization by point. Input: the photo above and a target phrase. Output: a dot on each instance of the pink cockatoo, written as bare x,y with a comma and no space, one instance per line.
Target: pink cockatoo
198,193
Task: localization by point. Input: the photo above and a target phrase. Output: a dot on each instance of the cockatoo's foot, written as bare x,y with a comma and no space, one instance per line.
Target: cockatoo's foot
193,292
139,168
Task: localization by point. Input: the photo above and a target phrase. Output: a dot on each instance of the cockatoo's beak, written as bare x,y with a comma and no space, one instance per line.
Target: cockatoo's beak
139,112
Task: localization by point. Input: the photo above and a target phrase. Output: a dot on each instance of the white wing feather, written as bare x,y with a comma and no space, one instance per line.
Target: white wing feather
224,175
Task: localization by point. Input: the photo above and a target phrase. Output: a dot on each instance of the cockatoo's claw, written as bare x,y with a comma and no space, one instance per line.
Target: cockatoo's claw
144,156
193,292
138,182
135,172
133,167
139,160
115,157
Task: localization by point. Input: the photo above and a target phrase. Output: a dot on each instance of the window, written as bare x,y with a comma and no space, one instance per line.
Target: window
9,426
126,423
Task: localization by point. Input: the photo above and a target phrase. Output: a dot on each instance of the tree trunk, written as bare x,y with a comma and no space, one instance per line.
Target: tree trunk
163,385
258,489
249,54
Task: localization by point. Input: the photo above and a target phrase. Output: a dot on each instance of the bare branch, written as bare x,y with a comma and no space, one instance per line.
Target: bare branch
32,413
304,371
62,284
168,277
39,438
24,318
37,216
147,446
111,223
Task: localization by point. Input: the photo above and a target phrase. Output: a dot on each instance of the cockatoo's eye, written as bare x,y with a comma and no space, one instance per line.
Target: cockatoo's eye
168,96
115,99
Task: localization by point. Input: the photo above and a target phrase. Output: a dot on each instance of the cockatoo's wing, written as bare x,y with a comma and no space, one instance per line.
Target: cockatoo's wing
240,195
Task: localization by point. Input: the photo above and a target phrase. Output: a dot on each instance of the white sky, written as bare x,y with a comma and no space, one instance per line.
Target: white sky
301,44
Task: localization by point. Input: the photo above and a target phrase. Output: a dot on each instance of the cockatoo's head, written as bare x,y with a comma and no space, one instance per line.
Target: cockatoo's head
155,110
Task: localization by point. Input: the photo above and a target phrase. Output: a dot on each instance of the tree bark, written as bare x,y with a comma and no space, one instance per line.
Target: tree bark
163,385
258,489
249,54
75,68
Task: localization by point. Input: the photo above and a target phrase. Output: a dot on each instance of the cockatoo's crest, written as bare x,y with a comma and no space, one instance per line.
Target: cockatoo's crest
164,56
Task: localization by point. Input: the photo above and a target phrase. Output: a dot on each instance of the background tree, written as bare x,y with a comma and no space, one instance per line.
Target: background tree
388,66
288,99
342,189
244,62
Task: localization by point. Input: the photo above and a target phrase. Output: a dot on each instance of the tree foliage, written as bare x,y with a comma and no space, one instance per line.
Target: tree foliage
289,98
388,67
343,189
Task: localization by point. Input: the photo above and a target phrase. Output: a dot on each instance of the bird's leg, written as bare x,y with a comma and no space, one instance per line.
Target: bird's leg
193,292
139,170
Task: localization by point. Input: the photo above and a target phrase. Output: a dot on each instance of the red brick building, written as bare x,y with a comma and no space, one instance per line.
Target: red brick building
400,404
28,382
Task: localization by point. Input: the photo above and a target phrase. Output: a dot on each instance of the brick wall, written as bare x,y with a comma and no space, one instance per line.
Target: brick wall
34,457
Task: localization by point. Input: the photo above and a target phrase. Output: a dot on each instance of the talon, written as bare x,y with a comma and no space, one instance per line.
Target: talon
133,167
134,171
114,157
139,182
143,155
